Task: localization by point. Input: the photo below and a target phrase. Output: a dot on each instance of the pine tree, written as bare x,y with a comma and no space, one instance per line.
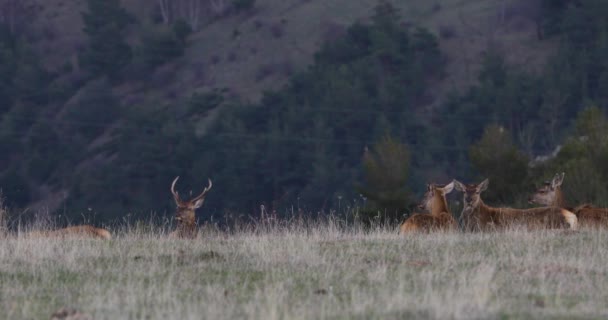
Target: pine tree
106,52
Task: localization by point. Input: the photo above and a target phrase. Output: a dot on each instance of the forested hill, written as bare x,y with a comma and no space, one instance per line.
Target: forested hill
304,105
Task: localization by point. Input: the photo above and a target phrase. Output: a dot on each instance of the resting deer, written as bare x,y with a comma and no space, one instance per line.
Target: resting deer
439,218
550,194
84,231
185,217
479,216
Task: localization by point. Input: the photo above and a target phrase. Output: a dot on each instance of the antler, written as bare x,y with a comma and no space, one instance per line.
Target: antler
175,194
202,195
178,201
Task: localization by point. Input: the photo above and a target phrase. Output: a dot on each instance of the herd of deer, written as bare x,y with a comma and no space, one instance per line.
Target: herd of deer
476,215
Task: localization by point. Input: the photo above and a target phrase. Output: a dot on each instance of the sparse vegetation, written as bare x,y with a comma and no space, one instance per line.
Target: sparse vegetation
309,272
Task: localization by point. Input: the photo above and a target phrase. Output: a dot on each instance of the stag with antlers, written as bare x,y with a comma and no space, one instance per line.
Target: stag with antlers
185,213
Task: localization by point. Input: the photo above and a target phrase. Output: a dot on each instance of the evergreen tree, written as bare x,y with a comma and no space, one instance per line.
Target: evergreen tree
496,157
386,169
107,51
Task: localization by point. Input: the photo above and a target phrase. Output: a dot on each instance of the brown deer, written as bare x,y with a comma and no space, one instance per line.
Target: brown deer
478,216
185,217
550,194
439,219
83,231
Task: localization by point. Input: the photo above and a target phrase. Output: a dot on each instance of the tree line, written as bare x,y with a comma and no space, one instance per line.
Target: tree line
352,129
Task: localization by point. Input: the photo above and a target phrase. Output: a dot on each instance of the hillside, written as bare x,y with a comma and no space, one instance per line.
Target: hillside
256,51
104,102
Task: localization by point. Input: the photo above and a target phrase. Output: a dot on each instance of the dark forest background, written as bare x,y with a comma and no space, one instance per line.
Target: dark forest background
103,103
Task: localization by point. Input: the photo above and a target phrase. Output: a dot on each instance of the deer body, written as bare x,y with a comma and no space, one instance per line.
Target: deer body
486,218
439,218
185,214
550,194
480,217
84,231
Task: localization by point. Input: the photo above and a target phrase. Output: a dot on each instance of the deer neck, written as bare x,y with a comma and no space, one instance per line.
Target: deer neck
482,209
472,219
187,228
559,198
439,204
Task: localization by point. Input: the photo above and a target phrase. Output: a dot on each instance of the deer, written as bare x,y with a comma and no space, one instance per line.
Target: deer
439,217
478,216
550,194
185,213
82,231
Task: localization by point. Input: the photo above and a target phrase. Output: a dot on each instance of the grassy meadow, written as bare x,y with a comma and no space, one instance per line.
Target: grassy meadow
301,271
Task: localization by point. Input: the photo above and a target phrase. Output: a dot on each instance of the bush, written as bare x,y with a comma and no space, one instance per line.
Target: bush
385,173
182,30
243,5
496,157
95,110
14,189
162,45
584,157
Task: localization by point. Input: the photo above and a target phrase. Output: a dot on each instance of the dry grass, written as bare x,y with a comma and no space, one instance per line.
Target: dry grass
314,272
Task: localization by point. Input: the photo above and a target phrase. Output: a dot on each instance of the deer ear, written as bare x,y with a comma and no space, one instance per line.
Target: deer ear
448,188
459,186
557,180
198,203
483,185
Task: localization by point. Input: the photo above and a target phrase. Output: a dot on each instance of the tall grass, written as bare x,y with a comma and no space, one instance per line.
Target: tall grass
308,270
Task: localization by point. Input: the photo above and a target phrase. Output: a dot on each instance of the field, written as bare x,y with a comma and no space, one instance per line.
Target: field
309,272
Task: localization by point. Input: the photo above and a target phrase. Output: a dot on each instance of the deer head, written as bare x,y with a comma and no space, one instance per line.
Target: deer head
434,197
185,216
547,195
471,194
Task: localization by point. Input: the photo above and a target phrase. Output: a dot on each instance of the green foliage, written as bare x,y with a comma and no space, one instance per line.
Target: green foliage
201,103
385,175
302,144
584,159
95,109
161,45
496,157
305,141
107,51
243,5
159,48
15,190
44,147
182,30
147,153
537,108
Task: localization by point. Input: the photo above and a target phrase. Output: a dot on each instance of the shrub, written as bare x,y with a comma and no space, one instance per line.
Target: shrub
182,30
496,157
385,174
243,5
161,46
